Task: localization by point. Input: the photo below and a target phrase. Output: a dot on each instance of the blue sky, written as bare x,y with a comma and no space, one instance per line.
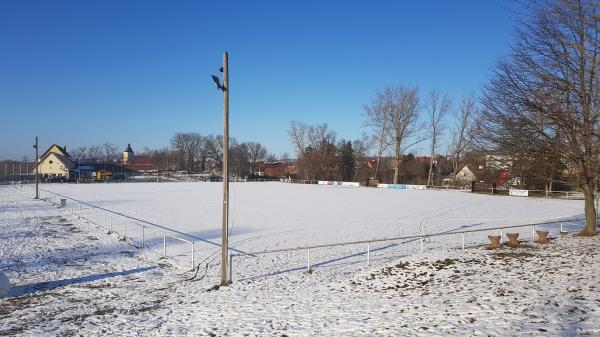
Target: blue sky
79,73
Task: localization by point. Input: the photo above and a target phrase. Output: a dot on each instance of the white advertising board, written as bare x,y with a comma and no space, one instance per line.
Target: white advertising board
518,193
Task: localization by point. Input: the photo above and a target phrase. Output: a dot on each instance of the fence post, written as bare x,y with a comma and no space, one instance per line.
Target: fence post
421,244
561,227
501,236
463,241
144,243
125,230
230,268
533,233
308,260
193,261
164,245
110,223
368,254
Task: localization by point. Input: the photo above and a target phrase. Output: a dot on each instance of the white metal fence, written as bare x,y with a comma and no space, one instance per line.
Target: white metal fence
465,238
145,235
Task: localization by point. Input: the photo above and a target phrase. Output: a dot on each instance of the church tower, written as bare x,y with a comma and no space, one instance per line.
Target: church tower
128,155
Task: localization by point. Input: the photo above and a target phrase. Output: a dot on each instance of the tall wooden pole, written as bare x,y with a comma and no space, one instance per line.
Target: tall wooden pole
37,176
225,240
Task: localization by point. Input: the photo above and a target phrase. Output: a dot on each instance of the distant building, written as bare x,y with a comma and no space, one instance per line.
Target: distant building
276,169
465,176
98,171
142,165
55,162
137,165
128,155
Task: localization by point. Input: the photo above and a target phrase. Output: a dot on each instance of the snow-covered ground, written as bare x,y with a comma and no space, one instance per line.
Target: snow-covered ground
70,277
277,215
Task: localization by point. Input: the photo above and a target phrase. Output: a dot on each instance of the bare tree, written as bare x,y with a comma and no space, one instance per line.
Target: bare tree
463,131
297,132
316,149
187,146
361,146
272,157
109,151
178,145
214,146
377,118
403,115
438,107
256,152
161,157
94,152
548,87
202,152
239,159
79,154
321,153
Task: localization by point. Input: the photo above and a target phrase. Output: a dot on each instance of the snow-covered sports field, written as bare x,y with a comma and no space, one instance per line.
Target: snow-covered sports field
273,215
70,276
276,213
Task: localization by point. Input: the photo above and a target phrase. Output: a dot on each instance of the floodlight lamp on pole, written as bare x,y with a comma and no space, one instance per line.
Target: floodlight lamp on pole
218,83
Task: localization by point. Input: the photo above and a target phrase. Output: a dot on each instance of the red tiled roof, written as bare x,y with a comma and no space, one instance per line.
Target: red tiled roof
143,160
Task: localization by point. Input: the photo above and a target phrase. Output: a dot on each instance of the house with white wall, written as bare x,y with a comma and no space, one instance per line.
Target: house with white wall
465,176
55,162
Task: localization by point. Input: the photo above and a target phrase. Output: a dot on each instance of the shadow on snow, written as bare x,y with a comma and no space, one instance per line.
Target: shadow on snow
51,285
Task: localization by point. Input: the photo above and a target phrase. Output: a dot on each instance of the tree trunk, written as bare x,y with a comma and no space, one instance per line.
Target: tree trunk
430,175
396,171
203,163
590,212
377,166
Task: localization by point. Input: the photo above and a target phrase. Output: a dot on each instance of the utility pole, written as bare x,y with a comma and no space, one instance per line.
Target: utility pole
225,240
37,176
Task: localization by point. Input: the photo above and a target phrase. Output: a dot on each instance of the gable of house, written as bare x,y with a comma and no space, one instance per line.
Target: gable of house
55,161
465,174
62,151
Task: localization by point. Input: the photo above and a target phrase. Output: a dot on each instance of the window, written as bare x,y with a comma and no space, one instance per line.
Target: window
50,162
